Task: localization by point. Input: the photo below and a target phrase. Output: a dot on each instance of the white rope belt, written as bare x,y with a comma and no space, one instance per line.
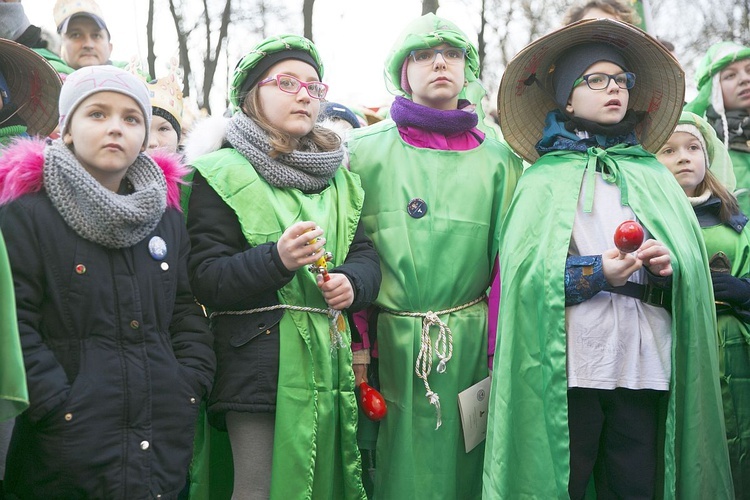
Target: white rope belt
443,346
337,340
271,308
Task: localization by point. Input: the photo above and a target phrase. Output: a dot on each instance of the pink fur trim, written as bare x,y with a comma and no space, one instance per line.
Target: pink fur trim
21,169
174,172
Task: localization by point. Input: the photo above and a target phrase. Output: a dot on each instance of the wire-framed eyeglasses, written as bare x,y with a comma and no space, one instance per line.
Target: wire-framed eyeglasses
451,55
600,81
291,85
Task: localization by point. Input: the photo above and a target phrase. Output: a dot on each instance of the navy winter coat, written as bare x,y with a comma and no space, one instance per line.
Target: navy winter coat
118,357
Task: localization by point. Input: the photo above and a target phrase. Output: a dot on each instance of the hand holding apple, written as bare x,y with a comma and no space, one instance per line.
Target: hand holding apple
628,237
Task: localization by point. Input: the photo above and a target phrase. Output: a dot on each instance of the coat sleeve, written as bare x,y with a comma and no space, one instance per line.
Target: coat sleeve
362,267
46,379
192,340
225,271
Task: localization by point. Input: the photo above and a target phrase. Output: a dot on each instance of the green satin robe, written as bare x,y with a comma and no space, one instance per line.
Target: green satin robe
441,260
734,356
741,167
315,453
527,437
14,396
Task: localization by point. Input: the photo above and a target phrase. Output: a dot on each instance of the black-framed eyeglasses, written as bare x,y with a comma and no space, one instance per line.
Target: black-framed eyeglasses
451,55
600,81
291,85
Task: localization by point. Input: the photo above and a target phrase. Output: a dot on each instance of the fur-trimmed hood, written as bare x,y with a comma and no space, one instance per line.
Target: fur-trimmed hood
206,137
22,167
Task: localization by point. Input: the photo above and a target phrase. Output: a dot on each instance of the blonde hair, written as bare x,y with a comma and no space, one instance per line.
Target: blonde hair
729,206
281,142
622,10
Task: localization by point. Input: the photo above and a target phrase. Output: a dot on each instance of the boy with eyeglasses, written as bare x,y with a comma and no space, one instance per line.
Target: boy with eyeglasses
436,189
607,365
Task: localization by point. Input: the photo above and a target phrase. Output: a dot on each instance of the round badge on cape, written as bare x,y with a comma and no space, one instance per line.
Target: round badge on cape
157,247
417,208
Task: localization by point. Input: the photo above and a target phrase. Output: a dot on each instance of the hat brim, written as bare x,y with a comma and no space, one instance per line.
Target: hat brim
63,26
659,90
34,86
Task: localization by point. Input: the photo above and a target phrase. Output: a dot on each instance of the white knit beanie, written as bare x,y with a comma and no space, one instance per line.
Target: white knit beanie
92,79
695,132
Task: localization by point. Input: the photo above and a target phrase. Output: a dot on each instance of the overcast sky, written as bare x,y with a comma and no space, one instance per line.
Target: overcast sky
353,36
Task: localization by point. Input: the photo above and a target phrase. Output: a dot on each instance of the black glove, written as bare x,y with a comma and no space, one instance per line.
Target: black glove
734,291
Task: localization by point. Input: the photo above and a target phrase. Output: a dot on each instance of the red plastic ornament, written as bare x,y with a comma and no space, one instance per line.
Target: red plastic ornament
629,236
372,402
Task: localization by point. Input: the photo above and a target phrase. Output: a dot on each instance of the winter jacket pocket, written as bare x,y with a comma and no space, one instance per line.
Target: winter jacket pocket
251,326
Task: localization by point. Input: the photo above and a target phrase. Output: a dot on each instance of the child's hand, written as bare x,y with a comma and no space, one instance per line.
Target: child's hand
337,291
618,267
295,249
656,257
360,374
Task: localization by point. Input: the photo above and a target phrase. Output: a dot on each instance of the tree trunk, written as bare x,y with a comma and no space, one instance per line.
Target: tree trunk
307,13
430,6
182,44
481,42
211,60
151,56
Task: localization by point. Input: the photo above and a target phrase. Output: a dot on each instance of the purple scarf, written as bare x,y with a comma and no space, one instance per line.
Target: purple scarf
407,113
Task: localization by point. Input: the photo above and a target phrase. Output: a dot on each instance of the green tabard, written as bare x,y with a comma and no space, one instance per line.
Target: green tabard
442,260
315,448
734,356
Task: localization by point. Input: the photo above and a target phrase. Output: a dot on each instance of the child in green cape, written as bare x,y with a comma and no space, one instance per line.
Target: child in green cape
700,163
607,360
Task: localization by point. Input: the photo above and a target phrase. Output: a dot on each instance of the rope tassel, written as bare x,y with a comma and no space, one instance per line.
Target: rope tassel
435,400
443,347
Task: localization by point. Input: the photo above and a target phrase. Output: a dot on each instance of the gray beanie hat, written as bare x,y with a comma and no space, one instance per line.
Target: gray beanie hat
13,20
89,80
571,65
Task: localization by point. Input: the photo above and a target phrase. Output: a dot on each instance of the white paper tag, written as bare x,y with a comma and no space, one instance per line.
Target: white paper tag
472,404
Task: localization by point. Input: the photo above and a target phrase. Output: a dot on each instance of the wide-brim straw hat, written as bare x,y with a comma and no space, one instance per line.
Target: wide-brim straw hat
34,86
525,95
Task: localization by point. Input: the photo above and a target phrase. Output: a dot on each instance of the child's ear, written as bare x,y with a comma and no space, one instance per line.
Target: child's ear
466,83
569,108
67,139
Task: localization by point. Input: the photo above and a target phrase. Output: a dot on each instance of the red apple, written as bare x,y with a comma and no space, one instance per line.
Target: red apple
372,402
629,236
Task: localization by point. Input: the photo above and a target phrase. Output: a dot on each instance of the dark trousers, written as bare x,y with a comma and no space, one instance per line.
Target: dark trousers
613,434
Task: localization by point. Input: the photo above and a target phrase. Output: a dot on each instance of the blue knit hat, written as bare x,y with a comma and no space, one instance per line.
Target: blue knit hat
334,110
571,65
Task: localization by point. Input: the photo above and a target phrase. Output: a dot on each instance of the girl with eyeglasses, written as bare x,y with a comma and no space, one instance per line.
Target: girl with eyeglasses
269,203
436,190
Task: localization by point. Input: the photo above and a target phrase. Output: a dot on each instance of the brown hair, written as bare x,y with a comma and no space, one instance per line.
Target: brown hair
281,142
622,10
729,206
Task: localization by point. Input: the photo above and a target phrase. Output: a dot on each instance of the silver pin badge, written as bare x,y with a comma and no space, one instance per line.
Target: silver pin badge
157,247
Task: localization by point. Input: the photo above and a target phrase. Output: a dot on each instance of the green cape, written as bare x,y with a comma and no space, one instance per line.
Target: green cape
527,453
14,397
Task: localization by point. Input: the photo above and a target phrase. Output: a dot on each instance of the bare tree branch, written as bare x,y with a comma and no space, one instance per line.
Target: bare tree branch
150,55
430,6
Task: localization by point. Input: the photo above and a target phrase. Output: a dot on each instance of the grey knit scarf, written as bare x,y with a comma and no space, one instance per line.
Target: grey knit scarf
306,169
96,213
